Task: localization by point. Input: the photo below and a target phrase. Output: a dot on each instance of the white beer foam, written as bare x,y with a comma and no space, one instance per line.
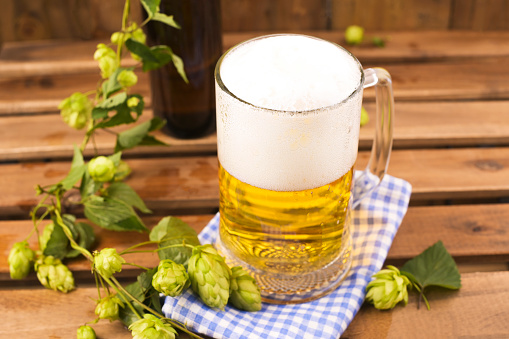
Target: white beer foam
292,150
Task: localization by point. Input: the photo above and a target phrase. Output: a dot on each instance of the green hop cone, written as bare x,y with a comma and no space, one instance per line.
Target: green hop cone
210,276
107,307
171,278
76,110
101,169
20,260
127,78
388,288
354,35
53,274
107,262
123,170
85,332
151,327
364,117
107,59
244,292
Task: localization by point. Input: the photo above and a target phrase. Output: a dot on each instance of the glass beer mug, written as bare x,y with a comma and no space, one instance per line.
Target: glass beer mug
288,119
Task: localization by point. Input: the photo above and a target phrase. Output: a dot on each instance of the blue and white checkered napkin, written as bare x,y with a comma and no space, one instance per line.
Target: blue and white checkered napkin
376,221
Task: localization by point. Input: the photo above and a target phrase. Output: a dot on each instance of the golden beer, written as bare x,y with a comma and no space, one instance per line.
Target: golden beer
288,118
289,233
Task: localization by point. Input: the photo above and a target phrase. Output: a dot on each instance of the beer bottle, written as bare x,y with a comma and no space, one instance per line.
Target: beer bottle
189,109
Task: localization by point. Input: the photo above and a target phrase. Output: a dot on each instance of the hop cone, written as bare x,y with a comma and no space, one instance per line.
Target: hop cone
171,278
210,276
388,288
151,327
244,292
53,274
76,110
85,332
20,259
107,307
101,169
107,262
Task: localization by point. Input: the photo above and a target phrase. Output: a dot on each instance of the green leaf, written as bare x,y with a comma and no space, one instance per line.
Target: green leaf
111,85
179,65
163,55
116,158
58,243
85,238
127,316
173,231
169,20
150,140
137,134
145,279
141,50
112,214
78,167
88,186
123,192
151,6
433,267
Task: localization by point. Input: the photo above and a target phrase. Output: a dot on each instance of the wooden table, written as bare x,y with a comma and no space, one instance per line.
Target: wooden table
451,143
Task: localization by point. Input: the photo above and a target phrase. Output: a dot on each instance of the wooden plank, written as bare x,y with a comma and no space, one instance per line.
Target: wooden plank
473,234
48,137
478,310
484,80
473,311
406,46
423,124
480,15
266,15
52,57
391,14
172,184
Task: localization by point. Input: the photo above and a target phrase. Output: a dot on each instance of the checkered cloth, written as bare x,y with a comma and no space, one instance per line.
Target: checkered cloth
376,220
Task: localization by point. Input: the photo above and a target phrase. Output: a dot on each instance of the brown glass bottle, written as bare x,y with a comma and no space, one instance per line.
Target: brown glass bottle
189,109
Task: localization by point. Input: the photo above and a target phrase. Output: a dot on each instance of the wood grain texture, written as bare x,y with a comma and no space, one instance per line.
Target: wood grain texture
263,15
391,14
417,124
480,15
461,80
478,310
53,57
473,234
170,184
471,312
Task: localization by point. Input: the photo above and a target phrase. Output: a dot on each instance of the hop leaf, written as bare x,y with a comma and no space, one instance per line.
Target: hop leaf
107,59
107,262
76,110
85,332
210,276
244,292
171,278
354,35
20,259
388,288
53,274
151,327
101,169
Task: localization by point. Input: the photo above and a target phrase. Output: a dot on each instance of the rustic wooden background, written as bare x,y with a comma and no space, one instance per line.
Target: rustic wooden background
89,19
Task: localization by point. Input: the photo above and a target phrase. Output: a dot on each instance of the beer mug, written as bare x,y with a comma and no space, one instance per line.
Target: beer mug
288,118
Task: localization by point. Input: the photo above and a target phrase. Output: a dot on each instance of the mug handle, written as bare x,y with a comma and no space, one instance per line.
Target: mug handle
370,178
